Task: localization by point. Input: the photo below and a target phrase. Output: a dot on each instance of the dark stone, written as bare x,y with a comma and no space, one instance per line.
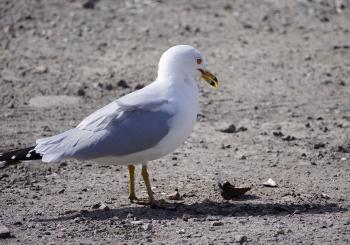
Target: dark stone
139,86
108,86
324,19
229,130
229,191
288,138
277,134
123,84
4,232
90,4
319,145
81,92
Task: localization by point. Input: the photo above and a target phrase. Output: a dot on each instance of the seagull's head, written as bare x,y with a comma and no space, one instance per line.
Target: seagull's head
185,61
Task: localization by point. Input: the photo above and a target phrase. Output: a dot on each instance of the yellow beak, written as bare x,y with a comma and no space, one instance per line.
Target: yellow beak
209,78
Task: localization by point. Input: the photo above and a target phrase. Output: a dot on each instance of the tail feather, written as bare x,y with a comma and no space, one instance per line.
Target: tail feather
16,156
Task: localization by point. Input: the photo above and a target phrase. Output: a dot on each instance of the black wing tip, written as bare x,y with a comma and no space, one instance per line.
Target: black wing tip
16,156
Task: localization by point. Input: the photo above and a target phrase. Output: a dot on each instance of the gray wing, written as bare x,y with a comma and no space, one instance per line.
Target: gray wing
132,130
109,114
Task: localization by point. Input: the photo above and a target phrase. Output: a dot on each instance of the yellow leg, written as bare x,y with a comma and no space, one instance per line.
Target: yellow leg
148,184
132,195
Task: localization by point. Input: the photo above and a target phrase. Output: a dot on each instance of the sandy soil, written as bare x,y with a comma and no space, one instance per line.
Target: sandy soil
284,69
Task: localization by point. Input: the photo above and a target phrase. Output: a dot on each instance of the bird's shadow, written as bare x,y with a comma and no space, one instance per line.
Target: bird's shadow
200,210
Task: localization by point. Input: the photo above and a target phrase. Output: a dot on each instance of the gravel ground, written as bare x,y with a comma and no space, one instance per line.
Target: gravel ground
284,72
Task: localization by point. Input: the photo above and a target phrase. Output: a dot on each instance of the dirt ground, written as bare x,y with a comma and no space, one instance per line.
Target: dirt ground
284,72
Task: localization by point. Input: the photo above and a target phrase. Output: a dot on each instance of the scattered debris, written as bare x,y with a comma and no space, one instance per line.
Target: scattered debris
4,232
147,227
186,217
229,130
40,69
335,47
324,19
241,239
81,92
277,134
217,223
108,86
139,86
3,176
232,129
224,146
280,232
270,183
342,149
229,191
289,138
339,6
90,4
101,206
319,145
181,232
175,195
123,84
242,129
136,222
243,157
325,196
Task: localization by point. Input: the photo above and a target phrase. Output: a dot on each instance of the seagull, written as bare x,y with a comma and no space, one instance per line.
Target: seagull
139,127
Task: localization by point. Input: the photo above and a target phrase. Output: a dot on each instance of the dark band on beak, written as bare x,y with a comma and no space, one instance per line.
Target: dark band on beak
209,78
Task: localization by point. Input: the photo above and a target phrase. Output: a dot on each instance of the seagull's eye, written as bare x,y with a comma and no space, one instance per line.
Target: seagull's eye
199,61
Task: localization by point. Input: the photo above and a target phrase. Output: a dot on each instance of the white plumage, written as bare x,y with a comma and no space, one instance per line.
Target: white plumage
173,93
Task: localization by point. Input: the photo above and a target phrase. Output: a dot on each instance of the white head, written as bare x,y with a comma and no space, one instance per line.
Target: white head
185,61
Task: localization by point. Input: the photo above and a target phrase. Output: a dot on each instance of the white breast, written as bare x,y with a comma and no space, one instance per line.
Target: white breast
186,104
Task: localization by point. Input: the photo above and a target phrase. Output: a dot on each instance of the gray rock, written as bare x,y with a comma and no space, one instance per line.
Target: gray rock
147,227
4,232
104,207
101,206
137,222
40,69
217,223
270,183
241,239
181,232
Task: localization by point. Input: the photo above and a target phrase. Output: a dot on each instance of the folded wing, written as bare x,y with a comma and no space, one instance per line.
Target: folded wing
118,129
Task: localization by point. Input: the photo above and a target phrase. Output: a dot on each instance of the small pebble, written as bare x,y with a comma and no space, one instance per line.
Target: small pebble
104,207
123,84
101,206
241,239
325,196
136,222
40,69
4,232
147,227
81,92
175,196
270,183
182,231
280,232
217,223
229,129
